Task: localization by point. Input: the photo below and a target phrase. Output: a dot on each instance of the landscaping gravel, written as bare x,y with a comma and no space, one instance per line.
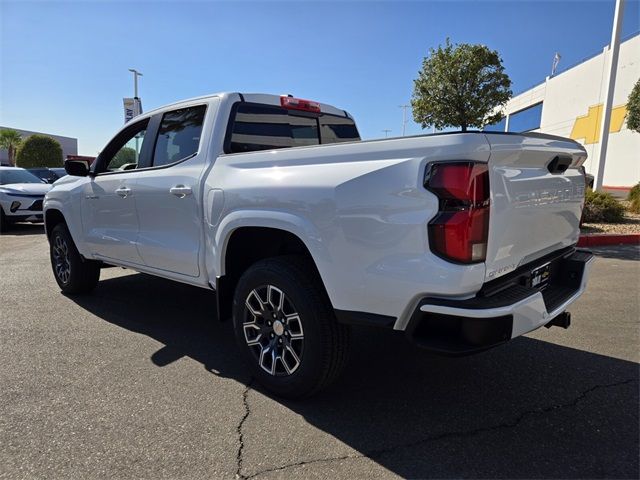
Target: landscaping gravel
631,224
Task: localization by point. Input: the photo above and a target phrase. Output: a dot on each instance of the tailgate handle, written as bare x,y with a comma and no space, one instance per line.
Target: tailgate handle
559,164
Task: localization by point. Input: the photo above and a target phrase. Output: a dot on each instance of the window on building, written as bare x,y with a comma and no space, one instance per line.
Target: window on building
527,119
497,127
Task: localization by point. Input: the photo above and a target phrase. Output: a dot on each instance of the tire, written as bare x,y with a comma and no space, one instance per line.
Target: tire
288,288
71,271
5,223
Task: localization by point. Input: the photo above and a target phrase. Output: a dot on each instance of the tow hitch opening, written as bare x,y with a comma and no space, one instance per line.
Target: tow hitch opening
563,320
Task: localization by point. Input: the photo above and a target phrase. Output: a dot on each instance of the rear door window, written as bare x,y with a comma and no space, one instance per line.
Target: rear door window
265,127
179,135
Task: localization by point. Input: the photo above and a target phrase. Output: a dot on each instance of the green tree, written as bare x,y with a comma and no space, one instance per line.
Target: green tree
125,155
461,86
633,108
39,151
10,140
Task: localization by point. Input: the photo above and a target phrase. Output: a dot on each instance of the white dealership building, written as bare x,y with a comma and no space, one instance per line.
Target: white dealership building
570,104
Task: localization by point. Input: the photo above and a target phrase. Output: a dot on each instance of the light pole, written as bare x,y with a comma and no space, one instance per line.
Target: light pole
614,50
136,74
136,101
386,132
404,116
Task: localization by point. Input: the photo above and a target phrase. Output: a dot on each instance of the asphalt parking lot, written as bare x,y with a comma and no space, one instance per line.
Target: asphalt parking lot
140,380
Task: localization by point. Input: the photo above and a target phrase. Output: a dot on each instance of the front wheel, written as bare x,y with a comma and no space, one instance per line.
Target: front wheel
5,223
286,328
71,271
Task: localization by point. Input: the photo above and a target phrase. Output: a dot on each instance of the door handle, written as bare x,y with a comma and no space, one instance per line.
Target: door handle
123,191
180,191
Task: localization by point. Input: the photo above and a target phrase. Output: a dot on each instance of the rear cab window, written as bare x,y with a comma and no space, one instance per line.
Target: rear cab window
255,127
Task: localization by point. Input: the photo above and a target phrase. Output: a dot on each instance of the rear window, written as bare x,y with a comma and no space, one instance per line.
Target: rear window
265,127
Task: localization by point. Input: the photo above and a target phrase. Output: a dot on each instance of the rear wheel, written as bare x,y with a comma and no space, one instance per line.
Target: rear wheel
286,328
71,271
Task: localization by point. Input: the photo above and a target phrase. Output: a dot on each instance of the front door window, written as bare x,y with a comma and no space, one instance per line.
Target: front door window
124,152
127,157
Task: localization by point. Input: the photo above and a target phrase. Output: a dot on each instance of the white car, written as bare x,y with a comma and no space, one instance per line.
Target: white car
21,196
461,240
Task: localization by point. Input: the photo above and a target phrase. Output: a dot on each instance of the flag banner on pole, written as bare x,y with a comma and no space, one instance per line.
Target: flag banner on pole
556,61
138,106
129,109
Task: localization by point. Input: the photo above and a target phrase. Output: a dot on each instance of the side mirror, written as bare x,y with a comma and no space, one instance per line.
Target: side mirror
77,168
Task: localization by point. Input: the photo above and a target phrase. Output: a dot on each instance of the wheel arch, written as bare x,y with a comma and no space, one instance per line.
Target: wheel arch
53,217
244,246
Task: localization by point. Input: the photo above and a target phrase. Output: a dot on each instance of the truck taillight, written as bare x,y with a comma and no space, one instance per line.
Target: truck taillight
460,229
299,104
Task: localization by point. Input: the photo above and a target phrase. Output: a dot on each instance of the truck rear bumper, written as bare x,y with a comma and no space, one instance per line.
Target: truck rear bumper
504,309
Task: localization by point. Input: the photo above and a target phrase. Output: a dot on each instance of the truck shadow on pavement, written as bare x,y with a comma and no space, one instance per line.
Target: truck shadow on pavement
621,252
527,409
23,229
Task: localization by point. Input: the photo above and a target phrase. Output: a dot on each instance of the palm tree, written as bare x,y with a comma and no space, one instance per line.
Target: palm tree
10,140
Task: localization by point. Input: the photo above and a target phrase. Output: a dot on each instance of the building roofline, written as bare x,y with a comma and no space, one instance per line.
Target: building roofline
575,64
33,132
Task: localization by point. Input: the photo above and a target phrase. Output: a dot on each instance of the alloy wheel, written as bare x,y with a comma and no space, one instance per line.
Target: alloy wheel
273,330
61,262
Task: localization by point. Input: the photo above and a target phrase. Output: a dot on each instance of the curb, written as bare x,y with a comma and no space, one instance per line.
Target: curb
602,239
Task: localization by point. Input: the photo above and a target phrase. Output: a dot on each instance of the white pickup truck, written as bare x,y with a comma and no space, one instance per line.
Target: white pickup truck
461,240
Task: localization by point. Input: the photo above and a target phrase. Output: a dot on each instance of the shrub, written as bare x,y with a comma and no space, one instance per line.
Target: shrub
633,108
39,151
600,207
634,198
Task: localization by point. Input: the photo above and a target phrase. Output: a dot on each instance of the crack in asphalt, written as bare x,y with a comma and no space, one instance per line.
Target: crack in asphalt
240,433
446,435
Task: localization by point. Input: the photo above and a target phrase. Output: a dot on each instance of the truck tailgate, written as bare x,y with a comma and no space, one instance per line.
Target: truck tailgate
536,203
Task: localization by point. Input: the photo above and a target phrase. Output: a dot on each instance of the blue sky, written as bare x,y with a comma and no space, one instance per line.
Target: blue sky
64,65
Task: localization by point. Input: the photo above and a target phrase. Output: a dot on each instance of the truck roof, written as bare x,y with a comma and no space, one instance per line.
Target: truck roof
264,98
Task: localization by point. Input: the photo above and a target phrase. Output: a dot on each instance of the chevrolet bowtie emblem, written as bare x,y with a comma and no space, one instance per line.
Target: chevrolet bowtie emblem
588,126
